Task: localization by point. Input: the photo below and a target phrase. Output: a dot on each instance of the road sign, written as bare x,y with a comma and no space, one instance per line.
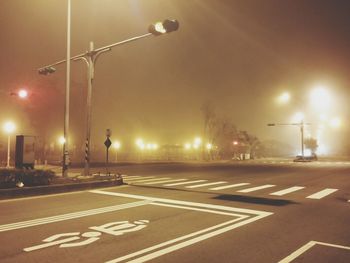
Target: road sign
108,143
108,133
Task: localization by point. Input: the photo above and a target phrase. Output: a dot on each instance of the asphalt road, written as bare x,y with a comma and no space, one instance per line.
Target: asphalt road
224,212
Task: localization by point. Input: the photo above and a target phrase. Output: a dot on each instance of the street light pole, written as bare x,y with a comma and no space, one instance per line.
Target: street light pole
65,162
302,137
8,151
9,127
91,69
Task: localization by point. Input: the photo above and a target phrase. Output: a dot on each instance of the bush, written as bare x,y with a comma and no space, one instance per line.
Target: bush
11,177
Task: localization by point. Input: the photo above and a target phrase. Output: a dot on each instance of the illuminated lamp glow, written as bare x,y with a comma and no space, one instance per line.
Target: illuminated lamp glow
298,117
22,93
335,123
320,98
9,127
284,98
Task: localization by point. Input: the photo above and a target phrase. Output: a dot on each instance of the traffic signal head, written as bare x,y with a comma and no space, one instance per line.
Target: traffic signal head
46,71
164,27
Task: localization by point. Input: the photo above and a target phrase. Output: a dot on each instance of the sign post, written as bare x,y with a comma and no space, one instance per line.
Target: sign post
108,144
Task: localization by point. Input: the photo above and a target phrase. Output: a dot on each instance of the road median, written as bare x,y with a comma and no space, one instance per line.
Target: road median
59,187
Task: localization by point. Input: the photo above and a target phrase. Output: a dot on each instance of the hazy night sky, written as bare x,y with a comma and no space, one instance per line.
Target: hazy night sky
238,54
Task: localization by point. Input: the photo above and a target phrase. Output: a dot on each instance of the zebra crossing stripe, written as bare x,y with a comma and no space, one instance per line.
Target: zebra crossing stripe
149,180
202,185
227,186
132,176
248,190
183,183
288,190
322,193
139,178
166,181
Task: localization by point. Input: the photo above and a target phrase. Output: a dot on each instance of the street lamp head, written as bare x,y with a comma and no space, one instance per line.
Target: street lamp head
23,94
164,27
46,71
271,124
9,127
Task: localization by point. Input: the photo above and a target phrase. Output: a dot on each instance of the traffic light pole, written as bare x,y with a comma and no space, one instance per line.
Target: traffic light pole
301,125
90,57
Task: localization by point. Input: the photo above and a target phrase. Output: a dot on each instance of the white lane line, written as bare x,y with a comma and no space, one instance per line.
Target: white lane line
308,246
298,252
217,230
322,193
248,190
150,180
187,203
288,190
58,218
189,182
139,178
228,186
202,185
167,181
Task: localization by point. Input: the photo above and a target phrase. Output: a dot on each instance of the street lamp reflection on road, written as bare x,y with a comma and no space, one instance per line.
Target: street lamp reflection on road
9,128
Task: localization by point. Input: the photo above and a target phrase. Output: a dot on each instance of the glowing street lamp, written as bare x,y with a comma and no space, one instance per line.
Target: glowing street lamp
284,98
23,94
61,140
9,127
187,146
298,117
335,123
209,146
197,141
320,98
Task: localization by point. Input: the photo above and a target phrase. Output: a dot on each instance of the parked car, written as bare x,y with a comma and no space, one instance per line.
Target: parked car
309,158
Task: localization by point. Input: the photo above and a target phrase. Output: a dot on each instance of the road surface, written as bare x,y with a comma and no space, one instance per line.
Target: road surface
227,212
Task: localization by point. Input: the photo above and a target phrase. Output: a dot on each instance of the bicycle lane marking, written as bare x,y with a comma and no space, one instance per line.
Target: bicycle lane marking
242,217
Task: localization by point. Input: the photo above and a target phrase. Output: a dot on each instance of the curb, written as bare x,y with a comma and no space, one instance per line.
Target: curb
57,188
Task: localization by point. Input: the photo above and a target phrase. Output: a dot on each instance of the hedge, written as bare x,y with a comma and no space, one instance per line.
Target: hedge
14,177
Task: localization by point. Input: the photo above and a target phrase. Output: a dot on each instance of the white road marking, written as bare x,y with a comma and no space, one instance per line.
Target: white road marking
288,190
150,180
58,218
248,190
132,176
139,178
178,202
167,181
227,186
192,238
207,184
189,182
306,247
322,193
45,245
